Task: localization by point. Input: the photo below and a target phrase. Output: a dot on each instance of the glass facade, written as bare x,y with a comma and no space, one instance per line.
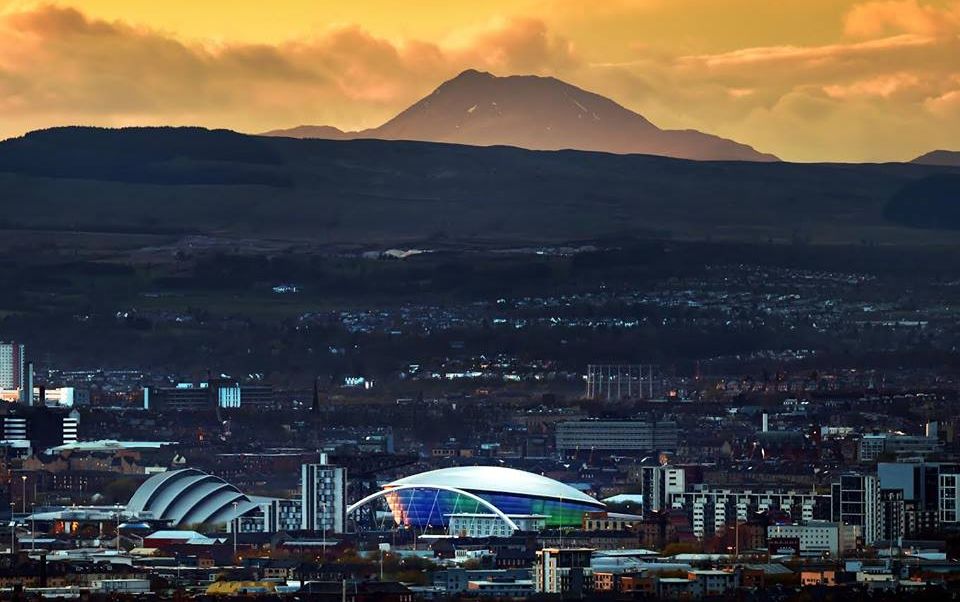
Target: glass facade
431,507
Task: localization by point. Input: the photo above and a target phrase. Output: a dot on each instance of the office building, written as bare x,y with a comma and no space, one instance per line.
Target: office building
585,436
856,501
38,429
927,489
323,497
814,538
221,392
872,447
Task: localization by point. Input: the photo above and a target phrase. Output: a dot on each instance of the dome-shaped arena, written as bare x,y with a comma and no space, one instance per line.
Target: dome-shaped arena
188,496
427,499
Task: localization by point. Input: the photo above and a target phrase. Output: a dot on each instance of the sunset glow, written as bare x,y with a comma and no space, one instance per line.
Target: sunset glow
810,80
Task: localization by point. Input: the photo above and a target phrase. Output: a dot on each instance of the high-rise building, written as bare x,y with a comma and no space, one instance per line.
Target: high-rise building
929,494
856,501
323,497
949,505
12,366
562,571
894,514
658,484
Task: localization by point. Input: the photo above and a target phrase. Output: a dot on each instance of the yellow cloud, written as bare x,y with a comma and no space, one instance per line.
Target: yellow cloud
804,79
873,19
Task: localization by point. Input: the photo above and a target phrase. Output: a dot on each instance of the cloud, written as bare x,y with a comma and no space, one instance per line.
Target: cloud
876,80
807,55
59,66
873,19
883,86
946,105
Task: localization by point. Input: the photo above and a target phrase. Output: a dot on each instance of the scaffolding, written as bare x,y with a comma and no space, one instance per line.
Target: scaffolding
614,382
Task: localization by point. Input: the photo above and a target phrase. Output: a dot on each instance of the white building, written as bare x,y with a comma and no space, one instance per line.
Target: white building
476,524
816,538
949,505
712,510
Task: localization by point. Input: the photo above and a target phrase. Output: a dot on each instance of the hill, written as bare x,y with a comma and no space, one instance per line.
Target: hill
374,192
939,157
539,113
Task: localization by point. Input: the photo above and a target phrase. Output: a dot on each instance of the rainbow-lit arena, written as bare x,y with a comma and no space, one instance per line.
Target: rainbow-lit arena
426,499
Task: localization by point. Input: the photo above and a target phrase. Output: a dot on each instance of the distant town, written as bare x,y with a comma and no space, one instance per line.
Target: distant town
627,482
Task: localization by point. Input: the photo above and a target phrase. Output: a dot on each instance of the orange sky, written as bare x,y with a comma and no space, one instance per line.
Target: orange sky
808,80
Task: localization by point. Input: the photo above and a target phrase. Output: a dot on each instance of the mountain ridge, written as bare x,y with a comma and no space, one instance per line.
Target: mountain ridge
351,192
944,158
535,113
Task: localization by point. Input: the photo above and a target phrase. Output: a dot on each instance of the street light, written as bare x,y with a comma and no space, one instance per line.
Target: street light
13,531
236,524
116,508
323,514
23,501
33,527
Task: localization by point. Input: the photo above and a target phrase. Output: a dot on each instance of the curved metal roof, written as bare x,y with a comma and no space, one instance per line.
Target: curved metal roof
498,479
188,496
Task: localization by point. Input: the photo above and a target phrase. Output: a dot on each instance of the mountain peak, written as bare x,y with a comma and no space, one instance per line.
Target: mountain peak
544,113
472,74
939,157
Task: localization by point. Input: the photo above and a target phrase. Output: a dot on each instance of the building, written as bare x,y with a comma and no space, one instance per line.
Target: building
585,436
613,382
41,428
284,515
872,447
712,583
610,521
814,538
658,485
893,509
949,507
478,524
713,510
562,571
192,497
323,497
927,489
220,392
12,366
427,499
455,580
500,588
856,501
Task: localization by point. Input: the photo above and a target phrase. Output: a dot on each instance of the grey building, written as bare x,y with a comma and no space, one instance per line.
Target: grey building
616,436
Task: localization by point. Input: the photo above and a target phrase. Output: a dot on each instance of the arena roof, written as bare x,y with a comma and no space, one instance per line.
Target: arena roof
188,496
497,479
